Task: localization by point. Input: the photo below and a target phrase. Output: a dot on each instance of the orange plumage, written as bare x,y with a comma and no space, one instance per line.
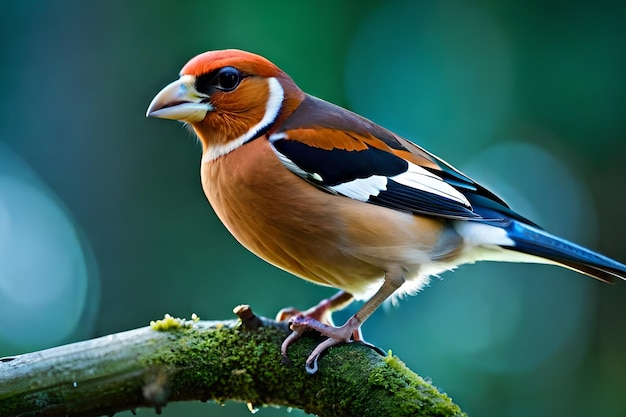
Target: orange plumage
337,200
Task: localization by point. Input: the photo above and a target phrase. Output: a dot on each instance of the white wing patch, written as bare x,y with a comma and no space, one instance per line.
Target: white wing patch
415,177
363,188
421,179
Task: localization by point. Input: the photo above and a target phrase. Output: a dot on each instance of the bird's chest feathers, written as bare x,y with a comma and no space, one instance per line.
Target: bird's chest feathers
258,199
313,234
244,184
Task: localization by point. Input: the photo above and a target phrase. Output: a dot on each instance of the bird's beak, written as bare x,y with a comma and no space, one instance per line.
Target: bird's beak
180,101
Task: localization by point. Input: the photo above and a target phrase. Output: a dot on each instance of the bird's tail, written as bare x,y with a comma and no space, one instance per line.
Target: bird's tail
533,241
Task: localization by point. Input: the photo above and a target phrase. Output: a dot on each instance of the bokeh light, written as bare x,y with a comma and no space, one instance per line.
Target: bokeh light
49,285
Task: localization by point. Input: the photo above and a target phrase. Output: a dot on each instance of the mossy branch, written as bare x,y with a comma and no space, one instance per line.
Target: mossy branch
182,360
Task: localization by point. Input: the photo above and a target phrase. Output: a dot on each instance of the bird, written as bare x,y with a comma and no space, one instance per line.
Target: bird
333,198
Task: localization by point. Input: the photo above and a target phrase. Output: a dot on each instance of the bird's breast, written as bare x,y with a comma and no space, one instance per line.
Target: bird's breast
325,238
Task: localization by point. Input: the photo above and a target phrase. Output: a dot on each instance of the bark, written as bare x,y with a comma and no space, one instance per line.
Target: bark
183,360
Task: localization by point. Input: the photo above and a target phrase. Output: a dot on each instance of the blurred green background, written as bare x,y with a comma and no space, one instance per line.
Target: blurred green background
104,226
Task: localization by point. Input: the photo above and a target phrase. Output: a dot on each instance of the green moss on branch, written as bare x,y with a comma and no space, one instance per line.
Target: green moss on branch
217,361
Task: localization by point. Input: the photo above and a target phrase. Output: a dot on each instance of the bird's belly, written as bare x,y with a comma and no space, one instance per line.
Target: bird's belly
324,238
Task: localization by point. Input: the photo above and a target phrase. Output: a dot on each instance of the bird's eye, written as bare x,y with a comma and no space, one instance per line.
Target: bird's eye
224,79
227,79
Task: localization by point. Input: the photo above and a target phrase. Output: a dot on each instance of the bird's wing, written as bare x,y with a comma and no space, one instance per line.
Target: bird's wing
343,153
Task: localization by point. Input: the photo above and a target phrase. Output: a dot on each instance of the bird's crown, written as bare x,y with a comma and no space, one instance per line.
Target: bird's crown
246,62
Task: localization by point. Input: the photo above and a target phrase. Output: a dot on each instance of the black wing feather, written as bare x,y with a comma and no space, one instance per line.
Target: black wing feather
339,166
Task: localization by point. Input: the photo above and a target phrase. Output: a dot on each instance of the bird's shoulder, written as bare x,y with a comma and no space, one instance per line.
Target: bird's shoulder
344,153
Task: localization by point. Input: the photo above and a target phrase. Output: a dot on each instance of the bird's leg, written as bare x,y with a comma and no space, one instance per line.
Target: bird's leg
351,329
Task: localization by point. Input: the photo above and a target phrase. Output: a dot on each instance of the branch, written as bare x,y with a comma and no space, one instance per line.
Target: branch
182,360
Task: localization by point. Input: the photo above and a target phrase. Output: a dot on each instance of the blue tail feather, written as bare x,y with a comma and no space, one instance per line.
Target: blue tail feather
534,241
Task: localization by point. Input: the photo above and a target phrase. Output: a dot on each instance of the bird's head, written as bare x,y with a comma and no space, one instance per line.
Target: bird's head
229,97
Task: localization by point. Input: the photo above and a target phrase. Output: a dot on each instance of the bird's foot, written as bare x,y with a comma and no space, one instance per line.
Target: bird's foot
300,324
319,314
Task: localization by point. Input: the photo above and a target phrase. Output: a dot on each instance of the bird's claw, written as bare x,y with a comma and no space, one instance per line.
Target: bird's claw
317,319
373,347
311,366
292,338
301,324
